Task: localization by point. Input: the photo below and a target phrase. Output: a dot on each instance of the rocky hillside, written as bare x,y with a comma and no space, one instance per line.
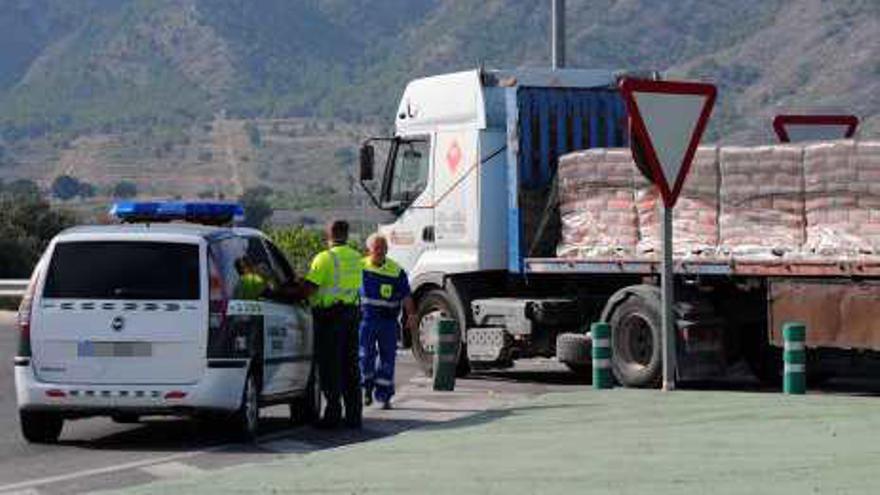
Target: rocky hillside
95,87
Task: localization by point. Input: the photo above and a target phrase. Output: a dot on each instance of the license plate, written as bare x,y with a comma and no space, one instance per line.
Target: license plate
114,349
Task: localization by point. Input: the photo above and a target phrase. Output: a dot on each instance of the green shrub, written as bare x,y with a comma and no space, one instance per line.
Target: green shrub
299,244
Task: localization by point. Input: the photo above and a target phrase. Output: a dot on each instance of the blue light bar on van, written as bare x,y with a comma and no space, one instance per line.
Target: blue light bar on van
214,213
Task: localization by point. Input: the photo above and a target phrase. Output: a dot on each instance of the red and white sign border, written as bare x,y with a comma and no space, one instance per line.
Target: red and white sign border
779,123
640,132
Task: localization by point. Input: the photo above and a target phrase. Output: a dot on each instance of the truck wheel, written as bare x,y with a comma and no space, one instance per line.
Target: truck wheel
573,350
40,427
247,419
435,304
636,327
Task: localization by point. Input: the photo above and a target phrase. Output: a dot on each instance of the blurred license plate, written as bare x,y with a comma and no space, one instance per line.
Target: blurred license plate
114,349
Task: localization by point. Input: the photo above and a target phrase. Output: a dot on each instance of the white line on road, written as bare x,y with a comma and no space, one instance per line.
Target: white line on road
168,470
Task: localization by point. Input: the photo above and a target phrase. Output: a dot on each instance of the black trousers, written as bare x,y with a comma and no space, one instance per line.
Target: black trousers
336,344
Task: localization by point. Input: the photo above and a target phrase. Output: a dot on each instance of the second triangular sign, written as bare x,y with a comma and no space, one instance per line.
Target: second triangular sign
667,120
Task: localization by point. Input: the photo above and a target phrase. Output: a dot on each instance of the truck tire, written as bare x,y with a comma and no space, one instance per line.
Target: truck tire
573,350
636,329
436,303
40,427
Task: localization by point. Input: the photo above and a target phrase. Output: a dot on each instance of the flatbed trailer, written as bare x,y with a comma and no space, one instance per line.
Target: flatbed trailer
472,180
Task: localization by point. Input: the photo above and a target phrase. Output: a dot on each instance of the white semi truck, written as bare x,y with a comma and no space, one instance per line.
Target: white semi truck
470,181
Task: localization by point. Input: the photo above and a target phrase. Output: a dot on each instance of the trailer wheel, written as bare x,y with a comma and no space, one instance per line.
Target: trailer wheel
436,303
573,350
636,329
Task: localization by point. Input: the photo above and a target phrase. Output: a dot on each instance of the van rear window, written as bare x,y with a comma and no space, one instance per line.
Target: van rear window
123,270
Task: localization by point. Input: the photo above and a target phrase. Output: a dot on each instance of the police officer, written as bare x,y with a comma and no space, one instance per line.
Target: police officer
332,286
251,284
385,288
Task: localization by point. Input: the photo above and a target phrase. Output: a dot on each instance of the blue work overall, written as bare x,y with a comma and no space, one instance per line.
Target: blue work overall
383,290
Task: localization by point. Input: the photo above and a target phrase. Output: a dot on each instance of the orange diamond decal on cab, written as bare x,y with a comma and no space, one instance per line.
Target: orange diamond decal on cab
453,157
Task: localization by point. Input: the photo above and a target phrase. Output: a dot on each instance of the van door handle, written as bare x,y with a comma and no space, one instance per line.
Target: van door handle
428,233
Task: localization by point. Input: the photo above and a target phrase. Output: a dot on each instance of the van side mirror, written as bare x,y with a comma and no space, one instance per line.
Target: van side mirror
368,154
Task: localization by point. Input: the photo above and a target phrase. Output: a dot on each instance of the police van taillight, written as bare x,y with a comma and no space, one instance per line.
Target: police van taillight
25,313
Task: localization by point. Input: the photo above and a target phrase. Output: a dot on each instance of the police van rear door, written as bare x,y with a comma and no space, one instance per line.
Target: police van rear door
122,310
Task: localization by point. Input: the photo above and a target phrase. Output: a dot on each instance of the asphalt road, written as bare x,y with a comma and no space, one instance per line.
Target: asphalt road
96,454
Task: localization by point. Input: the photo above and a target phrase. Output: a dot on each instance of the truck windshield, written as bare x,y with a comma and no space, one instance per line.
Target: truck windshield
408,175
123,270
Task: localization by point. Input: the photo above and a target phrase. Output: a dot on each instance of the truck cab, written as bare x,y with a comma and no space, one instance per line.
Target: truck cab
469,178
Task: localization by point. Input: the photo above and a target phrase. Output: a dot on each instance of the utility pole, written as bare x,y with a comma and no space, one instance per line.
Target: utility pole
557,35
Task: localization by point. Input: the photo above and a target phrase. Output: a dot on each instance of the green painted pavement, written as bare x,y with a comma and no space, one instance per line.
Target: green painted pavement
616,441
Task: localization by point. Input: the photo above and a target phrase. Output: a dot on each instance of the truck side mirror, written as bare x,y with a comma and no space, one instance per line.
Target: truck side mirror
367,162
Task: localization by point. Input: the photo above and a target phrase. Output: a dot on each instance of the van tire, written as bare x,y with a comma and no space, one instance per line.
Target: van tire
306,409
40,427
247,419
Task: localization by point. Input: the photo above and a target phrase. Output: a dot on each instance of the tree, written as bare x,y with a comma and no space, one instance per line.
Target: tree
65,187
27,224
22,188
256,206
125,189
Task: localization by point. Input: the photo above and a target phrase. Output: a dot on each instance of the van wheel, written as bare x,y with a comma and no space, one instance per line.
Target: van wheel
40,427
636,329
436,304
307,408
247,419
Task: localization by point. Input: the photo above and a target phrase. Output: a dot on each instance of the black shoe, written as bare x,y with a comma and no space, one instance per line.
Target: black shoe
353,424
368,396
386,405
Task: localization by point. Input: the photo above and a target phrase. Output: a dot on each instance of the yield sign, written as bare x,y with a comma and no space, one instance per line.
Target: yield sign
811,127
667,119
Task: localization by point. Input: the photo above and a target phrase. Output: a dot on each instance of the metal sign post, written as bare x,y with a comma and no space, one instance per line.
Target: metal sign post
667,120
667,289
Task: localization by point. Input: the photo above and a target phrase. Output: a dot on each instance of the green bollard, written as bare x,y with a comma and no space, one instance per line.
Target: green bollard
601,352
794,379
446,354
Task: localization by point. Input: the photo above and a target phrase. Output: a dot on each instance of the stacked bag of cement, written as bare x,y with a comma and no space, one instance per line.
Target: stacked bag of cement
775,202
596,204
842,198
695,215
762,201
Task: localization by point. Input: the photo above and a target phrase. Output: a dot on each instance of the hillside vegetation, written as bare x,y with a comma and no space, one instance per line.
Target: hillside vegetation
214,97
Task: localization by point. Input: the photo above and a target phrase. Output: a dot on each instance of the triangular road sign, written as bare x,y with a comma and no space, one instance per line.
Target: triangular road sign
812,127
667,121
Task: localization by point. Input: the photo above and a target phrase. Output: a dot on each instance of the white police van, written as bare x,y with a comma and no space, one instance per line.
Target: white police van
149,318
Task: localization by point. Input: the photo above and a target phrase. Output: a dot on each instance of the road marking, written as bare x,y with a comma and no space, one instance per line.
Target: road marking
168,470
24,485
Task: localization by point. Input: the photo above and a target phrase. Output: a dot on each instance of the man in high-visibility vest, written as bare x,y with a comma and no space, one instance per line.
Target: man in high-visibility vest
385,289
332,286
251,283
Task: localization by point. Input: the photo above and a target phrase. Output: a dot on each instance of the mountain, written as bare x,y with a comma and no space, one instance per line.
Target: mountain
77,72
